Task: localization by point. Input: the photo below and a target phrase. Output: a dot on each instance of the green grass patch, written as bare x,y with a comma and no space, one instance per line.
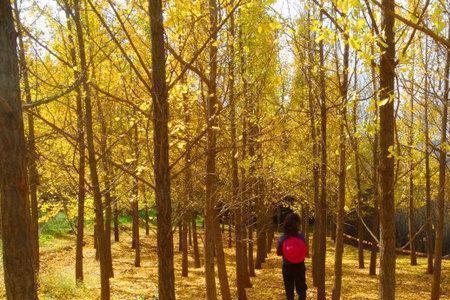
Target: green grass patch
56,227
61,286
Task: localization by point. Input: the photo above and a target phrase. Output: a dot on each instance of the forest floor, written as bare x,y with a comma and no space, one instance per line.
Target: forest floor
57,274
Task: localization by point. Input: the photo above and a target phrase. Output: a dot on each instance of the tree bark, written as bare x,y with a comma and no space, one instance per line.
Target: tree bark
315,156
240,280
187,187
339,244
116,221
135,201
411,224
387,125
166,277
321,211
33,175
196,251
92,161
440,200
375,176
429,229
81,148
261,232
360,225
18,262
107,180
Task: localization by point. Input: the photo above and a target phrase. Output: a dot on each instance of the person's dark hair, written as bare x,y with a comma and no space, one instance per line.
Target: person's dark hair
291,224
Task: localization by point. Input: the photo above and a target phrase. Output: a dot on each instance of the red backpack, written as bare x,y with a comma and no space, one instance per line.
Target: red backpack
294,250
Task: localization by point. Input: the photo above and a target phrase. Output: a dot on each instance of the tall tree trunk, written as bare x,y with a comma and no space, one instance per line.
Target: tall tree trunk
135,201
429,229
180,236
210,280
33,175
240,281
253,182
375,217
315,165
190,230
213,236
211,179
187,187
305,222
360,226
387,125
321,211
116,220
251,262
339,244
196,251
243,186
146,216
411,226
230,229
81,148
185,247
440,200
106,156
375,176
98,205
18,262
221,263
261,233
166,277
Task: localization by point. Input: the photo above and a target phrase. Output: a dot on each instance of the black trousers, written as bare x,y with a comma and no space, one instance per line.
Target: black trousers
294,279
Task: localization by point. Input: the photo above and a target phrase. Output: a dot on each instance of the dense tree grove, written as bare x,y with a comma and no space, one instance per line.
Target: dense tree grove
201,121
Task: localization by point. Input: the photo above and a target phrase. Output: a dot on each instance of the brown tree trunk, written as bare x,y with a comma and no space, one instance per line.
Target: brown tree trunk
33,175
81,148
147,217
221,264
321,211
197,263
211,189
185,248
440,200
180,236
213,236
18,262
98,205
339,244
375,177
315,155
305,222
253,193
230,229
261,232
116,221
240,281
360,226
166,277
243,185
135,202
375,218
136,237
190,232
387,125
107,193
411,225
429,229
251,262
187,188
